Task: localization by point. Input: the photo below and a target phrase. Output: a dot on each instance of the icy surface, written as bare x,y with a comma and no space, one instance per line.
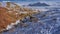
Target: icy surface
48,23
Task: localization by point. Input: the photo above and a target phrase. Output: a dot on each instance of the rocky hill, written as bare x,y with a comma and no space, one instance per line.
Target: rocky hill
12,14
38,4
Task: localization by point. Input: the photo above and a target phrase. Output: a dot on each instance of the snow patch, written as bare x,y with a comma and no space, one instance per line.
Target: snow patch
12,25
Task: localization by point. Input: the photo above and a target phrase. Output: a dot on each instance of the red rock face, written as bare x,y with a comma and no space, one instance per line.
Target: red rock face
8,16
5,18
2,18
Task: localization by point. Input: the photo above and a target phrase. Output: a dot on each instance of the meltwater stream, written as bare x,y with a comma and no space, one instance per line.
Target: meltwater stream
48,23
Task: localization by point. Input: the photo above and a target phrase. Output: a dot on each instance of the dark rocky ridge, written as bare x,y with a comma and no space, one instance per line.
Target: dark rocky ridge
38,4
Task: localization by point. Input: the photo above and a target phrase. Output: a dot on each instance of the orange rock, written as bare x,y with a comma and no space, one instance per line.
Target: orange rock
10,16
5,18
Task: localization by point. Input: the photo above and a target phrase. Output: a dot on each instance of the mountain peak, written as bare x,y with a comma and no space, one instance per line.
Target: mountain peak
38,4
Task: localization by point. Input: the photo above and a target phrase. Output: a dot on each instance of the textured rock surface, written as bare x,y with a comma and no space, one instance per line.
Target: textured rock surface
11,16
42,23
48,23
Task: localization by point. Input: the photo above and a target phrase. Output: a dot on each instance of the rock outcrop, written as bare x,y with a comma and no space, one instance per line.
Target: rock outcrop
11,15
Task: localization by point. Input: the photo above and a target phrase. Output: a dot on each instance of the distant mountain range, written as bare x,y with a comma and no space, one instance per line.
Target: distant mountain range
38,4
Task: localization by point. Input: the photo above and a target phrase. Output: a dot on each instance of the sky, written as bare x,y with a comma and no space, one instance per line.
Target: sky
22,2
29,0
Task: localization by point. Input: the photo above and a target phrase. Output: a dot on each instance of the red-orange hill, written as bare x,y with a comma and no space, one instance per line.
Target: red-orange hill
5,18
